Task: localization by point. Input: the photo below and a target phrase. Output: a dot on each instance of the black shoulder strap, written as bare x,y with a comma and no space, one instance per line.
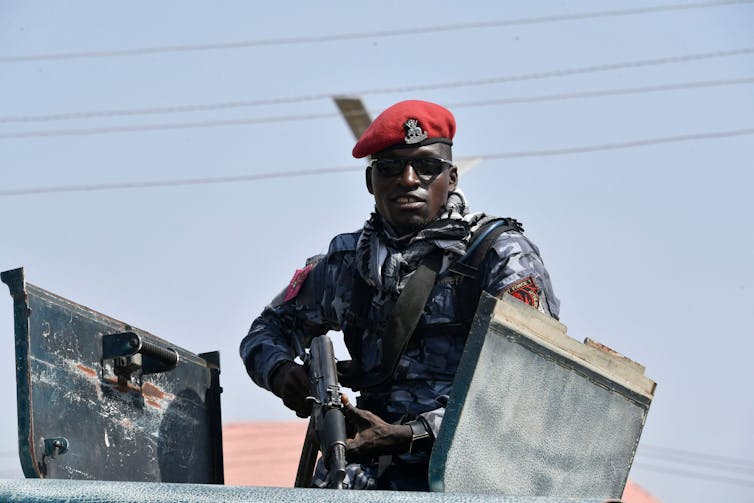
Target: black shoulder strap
410,304
407,312
468,266
481,241
401,325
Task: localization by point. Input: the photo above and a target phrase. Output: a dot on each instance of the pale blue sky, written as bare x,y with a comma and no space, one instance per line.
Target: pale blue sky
649,247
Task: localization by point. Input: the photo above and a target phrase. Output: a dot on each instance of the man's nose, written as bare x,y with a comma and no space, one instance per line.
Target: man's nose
409,177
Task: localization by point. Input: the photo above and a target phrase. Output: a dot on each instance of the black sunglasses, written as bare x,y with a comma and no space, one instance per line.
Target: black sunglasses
425,167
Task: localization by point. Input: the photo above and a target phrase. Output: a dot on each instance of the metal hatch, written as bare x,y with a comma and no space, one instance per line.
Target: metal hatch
534,412
99,399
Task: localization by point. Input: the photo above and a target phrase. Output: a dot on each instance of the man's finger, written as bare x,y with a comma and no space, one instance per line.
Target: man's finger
356,416
349,411
353,451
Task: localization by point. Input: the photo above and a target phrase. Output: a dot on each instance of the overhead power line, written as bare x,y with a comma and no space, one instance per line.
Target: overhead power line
400,32
603,93
246,104
695,474
697,462
621,145
406,89
649,448
342,169
670,456
179,182
158,127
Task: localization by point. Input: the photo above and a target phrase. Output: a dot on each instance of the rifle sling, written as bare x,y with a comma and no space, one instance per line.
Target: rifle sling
410,304
407,311
400,327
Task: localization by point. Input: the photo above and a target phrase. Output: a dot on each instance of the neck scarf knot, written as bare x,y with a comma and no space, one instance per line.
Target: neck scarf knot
386,260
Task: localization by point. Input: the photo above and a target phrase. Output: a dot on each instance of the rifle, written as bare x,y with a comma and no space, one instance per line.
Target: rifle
327,424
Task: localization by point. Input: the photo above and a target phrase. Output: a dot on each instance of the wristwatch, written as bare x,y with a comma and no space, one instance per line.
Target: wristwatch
421,435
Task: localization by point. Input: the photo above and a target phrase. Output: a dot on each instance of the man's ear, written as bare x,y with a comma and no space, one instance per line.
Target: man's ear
453,177
368,177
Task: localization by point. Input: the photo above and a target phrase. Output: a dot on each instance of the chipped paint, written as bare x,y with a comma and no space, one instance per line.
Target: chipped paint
155,396
149,389
131,430
122,386
86,370
153,403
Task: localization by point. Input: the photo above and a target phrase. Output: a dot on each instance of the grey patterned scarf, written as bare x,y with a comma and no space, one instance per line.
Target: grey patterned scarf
386,260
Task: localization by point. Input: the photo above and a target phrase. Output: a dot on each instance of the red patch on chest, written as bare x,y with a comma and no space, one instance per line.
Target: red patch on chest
297,282
526,291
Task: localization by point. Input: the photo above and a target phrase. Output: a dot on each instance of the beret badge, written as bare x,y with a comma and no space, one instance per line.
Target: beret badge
414,132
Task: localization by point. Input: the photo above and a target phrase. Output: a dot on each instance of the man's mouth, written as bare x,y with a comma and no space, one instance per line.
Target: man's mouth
408,202
407,199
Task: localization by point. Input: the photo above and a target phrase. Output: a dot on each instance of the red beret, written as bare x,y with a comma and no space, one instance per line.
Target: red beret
407,124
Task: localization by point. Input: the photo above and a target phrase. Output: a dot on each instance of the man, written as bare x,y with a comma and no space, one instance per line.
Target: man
420,223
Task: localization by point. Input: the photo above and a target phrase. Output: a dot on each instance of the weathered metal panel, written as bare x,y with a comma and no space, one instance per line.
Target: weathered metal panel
81,417
74,491
533,412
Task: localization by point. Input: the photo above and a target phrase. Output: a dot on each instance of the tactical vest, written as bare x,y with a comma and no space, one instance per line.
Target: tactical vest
403,329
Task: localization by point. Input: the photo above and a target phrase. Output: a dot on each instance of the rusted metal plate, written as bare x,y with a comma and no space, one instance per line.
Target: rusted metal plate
85,417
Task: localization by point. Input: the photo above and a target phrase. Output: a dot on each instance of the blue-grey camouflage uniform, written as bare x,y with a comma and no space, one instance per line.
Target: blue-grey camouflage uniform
425,371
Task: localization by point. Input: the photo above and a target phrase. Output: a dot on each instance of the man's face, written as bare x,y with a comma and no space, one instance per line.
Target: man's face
409,201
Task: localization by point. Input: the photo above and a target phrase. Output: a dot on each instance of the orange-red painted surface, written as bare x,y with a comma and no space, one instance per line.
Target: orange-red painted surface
262,454
634,493
266,454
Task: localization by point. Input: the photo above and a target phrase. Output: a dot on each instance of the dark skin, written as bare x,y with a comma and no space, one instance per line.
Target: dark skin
405,201
408,203
374,437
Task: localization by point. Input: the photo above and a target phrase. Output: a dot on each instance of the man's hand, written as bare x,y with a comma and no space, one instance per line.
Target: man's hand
374,437
291,383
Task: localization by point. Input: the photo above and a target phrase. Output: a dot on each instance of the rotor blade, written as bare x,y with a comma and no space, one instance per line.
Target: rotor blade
355,114
465,165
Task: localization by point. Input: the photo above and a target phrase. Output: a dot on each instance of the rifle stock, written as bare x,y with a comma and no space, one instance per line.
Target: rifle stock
308,457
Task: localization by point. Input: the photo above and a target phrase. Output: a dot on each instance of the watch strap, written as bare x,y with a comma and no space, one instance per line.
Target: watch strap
421,435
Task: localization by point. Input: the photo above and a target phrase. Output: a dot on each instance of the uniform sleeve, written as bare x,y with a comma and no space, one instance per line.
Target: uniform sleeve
514,266
296,313
434,420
